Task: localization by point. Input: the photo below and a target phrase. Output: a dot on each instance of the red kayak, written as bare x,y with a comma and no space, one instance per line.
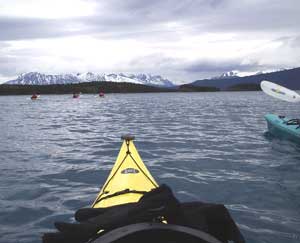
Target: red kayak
35,96
76,95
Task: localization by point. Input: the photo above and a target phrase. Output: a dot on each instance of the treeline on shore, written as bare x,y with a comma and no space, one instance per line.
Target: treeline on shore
96,87
244,87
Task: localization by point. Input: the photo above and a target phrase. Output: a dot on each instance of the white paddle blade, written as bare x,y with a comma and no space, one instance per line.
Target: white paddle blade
279,92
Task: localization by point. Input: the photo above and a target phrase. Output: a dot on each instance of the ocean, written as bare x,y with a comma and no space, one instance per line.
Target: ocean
56,152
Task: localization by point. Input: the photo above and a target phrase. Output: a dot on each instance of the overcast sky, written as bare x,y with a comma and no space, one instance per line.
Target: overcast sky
182,40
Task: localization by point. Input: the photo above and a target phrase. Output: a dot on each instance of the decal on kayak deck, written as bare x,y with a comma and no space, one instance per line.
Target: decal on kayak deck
278,91
129,171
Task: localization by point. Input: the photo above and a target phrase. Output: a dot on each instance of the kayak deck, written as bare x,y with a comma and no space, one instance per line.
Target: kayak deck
128,180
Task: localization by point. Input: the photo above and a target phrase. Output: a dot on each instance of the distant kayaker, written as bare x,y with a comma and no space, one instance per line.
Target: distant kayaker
76,94
34,96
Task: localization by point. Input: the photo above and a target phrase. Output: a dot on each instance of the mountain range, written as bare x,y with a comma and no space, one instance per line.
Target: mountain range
232,80
289,78
36,78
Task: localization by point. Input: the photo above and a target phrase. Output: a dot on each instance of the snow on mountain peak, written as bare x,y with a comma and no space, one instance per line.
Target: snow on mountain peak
236,73
35,78
230,74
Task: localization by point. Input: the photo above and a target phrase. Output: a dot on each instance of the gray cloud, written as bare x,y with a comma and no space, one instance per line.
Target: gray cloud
197,16
8,66
291,41
296,42
212,68
116,17
159,24
204,68
32,28
207,66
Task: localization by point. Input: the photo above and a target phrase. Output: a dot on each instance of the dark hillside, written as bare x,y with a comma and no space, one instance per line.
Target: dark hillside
288,78
90,87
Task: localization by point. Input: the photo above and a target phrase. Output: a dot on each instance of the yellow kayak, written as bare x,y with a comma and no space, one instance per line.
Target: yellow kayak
128,180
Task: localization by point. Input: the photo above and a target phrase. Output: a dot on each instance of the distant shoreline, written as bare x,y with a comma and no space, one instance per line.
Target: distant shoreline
96,87
288,78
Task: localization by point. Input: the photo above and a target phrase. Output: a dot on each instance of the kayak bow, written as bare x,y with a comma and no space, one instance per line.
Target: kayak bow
128,180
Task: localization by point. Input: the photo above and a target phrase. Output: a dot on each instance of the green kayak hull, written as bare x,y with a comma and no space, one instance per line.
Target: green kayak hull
279,126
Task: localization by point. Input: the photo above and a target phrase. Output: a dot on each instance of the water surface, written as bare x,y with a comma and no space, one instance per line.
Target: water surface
56,152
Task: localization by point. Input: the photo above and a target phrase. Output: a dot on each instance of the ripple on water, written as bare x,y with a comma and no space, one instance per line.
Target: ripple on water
57,152
23,215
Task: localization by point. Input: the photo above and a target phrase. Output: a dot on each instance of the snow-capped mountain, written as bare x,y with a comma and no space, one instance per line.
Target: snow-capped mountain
229,74
147,79
237,74
35,78
155,80
287,78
